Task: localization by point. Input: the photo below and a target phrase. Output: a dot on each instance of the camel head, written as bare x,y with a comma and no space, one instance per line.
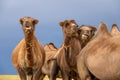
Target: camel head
86,32
28,25
69,28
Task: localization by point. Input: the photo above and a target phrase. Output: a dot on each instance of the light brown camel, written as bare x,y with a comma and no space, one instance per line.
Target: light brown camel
65,58
28,56
100,56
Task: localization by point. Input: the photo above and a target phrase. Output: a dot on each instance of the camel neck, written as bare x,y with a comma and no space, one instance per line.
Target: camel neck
29,42
67,41
71,47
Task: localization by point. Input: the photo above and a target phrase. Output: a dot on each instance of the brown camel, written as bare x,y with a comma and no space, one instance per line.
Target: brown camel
65,58
50,51
28,56
100,56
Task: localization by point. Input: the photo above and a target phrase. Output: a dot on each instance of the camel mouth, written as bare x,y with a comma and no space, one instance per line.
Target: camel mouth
85,36
28,29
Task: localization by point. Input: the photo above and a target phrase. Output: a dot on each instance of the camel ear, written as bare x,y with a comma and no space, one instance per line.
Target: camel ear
21,20
94,29
35,21
61,23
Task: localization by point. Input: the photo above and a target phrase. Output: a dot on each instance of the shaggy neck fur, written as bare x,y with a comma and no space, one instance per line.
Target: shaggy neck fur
29,45
72,47
67,41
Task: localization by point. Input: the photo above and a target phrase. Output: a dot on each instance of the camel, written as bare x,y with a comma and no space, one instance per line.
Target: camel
65,58
50,51
28,56
100,57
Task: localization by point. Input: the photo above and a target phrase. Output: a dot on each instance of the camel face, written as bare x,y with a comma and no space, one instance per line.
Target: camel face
28,24
86,32
69,27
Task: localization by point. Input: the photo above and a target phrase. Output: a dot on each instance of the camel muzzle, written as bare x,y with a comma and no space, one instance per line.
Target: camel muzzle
85,36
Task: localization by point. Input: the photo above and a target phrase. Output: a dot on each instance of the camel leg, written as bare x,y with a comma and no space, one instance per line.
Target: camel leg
21,73
75,78
65,75
37,74
53,70
42,76
29,77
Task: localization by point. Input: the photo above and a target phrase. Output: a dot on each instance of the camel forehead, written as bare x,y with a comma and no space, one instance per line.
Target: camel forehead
28,19
70,21
85,28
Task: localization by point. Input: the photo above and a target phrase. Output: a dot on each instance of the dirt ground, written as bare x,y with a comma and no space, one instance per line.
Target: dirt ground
15,77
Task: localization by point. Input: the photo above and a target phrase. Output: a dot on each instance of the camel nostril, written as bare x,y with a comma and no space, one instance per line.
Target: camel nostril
27,26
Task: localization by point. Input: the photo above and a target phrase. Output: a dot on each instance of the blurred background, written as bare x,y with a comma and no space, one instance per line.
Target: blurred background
49,13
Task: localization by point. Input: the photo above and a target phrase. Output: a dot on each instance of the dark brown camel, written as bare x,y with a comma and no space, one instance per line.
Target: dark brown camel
100,56
65,59
28,56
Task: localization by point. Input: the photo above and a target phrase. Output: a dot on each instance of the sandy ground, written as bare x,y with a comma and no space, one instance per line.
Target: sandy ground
15,77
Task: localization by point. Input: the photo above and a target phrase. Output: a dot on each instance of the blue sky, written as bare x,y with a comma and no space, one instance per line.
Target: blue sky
49,13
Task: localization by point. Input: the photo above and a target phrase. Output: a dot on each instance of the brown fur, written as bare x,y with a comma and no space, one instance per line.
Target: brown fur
115,31
28,56
101,55
66,55
50,51
86,32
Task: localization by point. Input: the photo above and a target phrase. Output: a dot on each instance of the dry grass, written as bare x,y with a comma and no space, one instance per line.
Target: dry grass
15,77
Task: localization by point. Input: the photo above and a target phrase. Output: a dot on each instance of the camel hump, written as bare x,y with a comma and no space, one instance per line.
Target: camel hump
103,30
114,30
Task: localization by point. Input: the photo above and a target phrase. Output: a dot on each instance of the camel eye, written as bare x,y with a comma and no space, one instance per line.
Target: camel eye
67,24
